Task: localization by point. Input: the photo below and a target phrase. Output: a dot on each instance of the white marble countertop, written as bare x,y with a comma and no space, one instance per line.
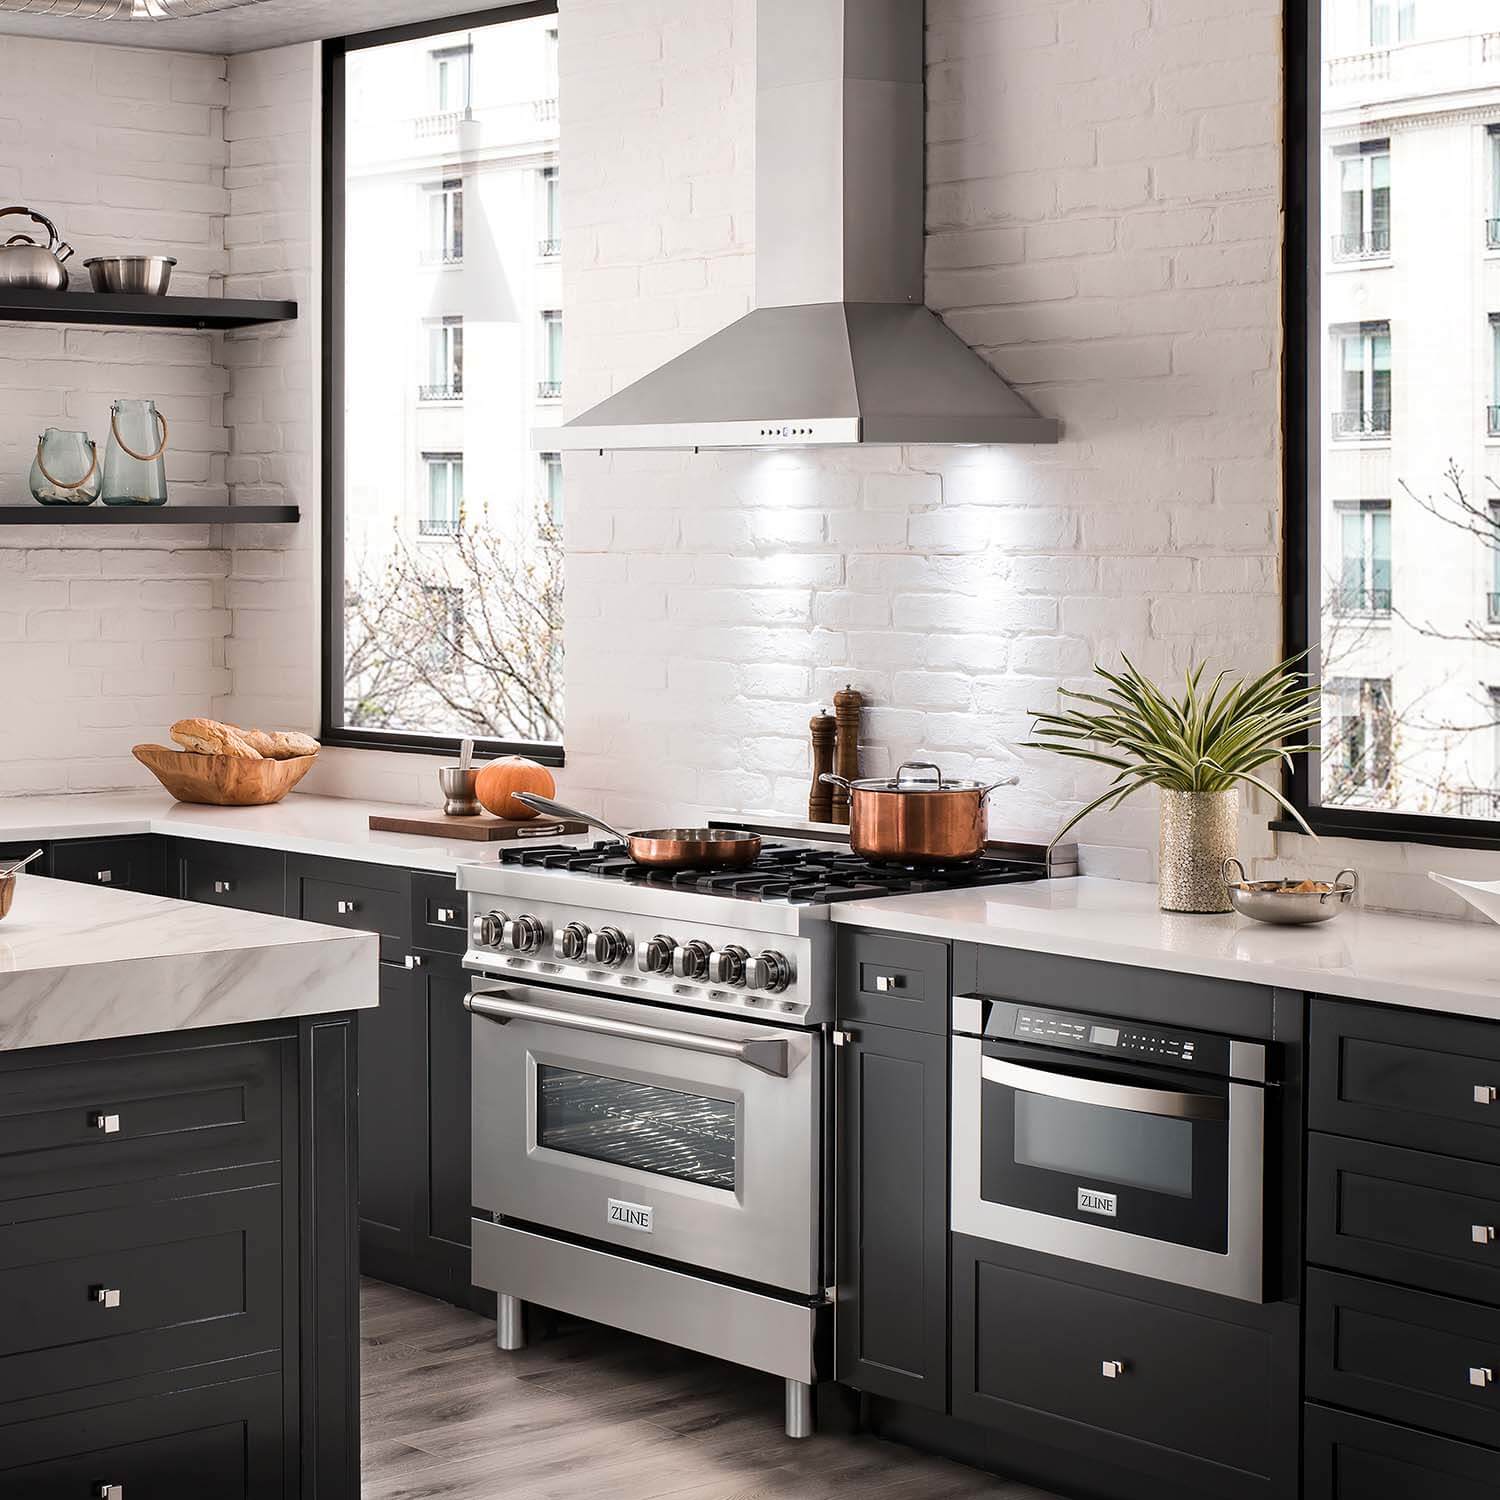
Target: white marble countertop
338,827
1423,962
81,962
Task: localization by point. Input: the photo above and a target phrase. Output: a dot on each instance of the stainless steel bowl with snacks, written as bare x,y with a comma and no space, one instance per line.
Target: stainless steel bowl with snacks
1289,903
147,274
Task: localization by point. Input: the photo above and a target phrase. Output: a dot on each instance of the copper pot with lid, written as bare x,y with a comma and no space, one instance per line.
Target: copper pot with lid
918,817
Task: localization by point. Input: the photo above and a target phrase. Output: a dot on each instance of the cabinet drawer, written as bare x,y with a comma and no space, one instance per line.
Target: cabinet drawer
893,981
439,915
134,863
1182,1382
1409,1356
247,879
1357,1458
98,1297
1429,1082
368,898
221,1442
131,1111
1406,1216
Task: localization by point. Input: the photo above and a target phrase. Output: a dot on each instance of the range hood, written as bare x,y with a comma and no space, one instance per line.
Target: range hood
839,349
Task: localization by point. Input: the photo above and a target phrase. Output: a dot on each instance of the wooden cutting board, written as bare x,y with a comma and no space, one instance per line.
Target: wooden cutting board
482,829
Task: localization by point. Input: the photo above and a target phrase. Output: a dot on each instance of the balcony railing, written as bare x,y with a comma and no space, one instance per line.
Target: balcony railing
452,257
453,391
549,390
1478,802
1360,423
1363,601
546,109
442,122
1365,244
1362,67
437,525
549,248
1492,234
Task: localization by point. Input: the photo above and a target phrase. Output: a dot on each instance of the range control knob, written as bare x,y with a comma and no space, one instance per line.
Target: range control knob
691,960
609,946
654,956
485,928
726,965
523,934
572,942
769,971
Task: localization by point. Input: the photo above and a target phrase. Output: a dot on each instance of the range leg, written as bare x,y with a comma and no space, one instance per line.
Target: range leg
510,1323
799,1409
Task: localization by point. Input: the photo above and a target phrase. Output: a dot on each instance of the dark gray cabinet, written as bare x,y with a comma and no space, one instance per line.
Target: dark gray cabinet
178,1285
133,863
1351,1457
891,1236
234,875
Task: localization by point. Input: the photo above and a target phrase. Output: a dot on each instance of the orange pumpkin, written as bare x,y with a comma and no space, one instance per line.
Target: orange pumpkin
501,779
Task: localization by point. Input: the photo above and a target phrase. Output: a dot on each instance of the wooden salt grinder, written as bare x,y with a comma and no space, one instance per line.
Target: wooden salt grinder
846,708
820,796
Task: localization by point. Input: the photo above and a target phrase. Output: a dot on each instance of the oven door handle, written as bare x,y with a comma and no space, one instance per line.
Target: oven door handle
1146,1101
769,1054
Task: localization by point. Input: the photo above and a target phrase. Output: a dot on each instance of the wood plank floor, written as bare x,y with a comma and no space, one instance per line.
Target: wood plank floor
594,1413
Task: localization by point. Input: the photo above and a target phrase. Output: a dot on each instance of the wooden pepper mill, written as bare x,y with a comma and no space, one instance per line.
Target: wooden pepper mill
820,795
847,706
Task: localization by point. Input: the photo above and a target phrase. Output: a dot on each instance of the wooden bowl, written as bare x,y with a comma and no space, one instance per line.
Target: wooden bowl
7,893
223,780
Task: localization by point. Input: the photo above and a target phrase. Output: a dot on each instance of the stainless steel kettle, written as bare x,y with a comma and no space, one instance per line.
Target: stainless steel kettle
24,263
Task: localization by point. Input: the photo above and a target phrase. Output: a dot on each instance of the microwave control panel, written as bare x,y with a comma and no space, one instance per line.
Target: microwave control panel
1108,1036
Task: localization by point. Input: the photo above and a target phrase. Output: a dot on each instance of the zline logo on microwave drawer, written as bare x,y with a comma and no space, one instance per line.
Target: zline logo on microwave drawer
635,1216
1092,1201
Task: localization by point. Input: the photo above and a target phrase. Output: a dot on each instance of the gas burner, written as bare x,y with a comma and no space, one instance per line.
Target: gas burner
790,874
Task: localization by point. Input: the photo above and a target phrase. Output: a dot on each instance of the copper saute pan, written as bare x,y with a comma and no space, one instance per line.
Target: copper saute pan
917,819
665,848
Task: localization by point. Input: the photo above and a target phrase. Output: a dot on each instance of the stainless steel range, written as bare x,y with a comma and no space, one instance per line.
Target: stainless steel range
653,1092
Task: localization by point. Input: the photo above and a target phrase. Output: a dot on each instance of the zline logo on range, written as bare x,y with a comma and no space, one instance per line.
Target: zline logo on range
635,1216
1092,1201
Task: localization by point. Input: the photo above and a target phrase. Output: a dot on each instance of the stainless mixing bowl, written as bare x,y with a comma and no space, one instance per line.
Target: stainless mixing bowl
150,274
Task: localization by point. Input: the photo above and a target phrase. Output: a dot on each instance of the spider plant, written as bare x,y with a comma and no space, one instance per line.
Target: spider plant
1208,740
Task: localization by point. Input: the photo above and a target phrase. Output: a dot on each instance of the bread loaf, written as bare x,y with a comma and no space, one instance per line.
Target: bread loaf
281,744
210,737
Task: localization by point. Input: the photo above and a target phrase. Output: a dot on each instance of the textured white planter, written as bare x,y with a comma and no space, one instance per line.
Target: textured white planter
1199,831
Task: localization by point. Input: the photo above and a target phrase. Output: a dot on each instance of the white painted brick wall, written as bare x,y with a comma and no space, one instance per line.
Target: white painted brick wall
1102,211
106,635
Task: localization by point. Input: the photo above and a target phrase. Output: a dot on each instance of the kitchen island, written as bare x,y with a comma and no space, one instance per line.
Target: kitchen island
178,1272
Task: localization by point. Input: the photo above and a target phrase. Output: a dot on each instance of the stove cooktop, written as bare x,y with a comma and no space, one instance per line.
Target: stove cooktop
792,874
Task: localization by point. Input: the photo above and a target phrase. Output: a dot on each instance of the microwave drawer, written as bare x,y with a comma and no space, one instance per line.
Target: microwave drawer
1029,1343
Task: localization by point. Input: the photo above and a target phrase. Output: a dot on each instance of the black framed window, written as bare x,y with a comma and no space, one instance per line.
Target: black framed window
1393,414
442,553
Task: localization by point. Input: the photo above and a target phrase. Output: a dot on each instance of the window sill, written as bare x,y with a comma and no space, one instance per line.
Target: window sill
1372,263
419,744
1386,827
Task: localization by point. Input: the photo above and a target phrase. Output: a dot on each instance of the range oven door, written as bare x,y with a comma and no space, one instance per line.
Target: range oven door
1130,1167
693,1138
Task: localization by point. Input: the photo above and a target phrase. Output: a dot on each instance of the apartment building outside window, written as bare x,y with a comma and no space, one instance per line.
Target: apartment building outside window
1492,224
1359,731
552,473
445,221
445,360
1492,542
1391,21
1492,422
1364,381
549,385
1364,188
452,79
445,493
550,241
1364,557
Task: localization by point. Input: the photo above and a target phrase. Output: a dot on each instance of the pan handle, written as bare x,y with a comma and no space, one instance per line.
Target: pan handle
995,786
560,810
830,778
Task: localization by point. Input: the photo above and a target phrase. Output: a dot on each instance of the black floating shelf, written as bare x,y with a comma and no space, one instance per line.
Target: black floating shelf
136,310
148,515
